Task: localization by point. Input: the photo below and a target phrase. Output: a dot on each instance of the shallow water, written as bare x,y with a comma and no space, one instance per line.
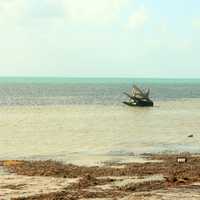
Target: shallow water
93,133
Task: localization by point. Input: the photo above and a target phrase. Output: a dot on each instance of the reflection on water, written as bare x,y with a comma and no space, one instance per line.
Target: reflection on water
81,132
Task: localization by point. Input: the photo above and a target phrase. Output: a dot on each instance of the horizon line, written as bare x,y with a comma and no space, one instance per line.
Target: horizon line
101,77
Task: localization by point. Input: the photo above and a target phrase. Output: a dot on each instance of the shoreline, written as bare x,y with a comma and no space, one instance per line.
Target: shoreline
111,181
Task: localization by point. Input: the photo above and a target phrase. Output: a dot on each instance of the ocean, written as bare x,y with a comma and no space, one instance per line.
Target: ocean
90,91
83,120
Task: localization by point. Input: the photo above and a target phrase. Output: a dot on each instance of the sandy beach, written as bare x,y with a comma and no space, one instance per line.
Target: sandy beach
100,152
164,178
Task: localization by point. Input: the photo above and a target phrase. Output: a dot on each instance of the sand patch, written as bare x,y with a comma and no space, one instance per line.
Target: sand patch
14,186
183,193
120,181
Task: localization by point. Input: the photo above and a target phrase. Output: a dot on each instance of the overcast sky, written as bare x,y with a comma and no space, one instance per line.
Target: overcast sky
101,38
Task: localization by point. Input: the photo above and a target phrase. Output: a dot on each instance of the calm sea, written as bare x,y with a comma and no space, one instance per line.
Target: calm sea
83,121
92,91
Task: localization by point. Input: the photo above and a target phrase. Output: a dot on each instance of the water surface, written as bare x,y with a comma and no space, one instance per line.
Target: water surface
90,91
83,120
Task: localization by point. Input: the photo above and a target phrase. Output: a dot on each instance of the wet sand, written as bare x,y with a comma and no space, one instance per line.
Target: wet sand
167,179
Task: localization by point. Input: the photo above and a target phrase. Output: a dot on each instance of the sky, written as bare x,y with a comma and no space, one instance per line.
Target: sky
100,38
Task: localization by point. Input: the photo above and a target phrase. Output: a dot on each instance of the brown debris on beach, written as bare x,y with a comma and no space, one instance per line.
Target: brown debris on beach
101,182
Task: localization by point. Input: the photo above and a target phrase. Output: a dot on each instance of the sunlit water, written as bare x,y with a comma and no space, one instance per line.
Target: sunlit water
40,123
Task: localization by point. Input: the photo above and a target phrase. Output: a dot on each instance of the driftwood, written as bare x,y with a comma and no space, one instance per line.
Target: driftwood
138,97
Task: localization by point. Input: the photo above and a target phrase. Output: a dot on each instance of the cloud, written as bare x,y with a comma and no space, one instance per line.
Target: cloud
71,11
11,10
93,11
138,19
45,9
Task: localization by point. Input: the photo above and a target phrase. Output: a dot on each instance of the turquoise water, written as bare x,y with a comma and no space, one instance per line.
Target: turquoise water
54,80
92,91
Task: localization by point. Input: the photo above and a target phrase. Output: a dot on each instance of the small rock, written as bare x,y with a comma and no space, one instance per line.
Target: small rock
190,136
